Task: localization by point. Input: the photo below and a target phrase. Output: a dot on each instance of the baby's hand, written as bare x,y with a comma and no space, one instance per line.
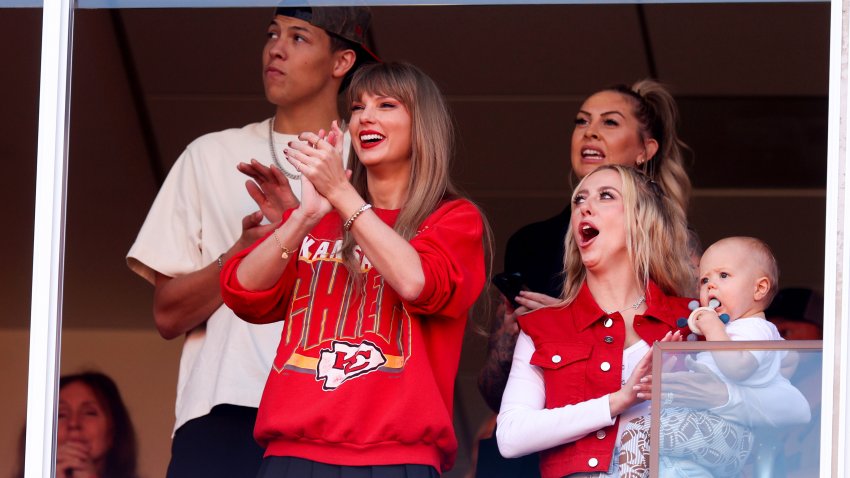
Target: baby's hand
697,311
707,320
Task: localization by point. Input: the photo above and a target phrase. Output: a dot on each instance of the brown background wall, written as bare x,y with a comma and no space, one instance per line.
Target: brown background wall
751,81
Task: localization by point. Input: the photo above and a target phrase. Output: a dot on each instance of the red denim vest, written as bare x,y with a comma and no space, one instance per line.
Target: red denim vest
580,350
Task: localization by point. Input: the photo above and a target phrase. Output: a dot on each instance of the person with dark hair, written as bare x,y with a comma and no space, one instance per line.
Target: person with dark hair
202,216
94,435
659,151
630,126
374,278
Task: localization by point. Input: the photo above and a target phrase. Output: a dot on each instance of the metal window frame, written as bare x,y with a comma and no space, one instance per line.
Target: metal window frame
49,234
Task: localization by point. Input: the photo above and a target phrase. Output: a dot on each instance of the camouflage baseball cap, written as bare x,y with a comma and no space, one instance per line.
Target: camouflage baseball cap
348,23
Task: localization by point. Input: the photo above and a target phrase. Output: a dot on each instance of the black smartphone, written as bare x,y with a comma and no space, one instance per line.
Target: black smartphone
510,284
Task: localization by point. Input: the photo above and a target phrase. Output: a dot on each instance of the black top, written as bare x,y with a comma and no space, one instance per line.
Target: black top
537,252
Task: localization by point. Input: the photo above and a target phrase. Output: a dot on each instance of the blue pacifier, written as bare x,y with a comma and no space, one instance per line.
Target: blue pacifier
696,310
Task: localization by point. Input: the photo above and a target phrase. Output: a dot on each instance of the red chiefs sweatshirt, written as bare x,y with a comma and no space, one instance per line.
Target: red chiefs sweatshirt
362,377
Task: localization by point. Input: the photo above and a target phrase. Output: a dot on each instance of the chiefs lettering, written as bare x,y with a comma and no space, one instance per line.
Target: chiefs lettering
338,328
344,361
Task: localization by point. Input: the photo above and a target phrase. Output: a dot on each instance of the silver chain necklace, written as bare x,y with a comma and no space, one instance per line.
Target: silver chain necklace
634,306
293,176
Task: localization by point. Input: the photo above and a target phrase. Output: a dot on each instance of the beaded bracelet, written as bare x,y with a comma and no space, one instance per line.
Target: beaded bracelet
350,221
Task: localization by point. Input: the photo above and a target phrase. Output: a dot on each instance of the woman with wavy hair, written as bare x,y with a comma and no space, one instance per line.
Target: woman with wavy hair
658,150
374,278
634,126
579,366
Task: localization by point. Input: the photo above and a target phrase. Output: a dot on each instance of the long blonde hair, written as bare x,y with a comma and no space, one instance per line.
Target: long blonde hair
658,115
656,237
432,144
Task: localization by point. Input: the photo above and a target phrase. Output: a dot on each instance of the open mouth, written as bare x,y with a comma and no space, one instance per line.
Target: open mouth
371,138
592,153
587,233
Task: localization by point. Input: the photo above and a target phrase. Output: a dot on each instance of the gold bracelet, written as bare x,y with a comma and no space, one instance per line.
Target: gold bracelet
350,221
285,251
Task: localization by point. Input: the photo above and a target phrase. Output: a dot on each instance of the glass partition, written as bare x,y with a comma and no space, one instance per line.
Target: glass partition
749,409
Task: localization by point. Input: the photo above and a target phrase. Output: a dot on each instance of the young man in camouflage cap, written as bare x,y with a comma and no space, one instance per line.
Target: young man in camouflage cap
202,215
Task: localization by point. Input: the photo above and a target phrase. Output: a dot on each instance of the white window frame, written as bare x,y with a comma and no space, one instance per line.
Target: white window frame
49,238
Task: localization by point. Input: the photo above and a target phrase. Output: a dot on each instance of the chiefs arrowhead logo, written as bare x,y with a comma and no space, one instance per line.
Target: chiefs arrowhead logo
344,361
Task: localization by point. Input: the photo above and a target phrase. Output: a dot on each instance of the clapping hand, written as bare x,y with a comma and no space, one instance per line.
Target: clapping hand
319,160
269,189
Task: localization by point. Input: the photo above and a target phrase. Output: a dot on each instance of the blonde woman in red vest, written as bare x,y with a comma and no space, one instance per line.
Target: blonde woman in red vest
580,367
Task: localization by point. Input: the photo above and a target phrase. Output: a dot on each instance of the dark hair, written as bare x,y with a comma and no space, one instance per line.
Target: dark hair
120,461
346,28
658,115
339,43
